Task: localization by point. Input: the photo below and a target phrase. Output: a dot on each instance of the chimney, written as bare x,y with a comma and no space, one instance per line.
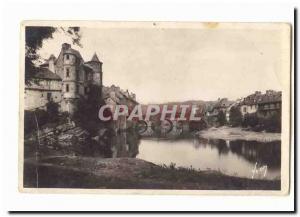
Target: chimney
65,46
270,92
51,61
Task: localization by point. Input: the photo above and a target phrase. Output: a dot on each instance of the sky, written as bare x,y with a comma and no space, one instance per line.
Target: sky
162,64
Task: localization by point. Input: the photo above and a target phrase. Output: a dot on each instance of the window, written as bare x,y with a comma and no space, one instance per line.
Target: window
49,95
67,88
86,90
67,72
77,88
245,109
42,95
67,57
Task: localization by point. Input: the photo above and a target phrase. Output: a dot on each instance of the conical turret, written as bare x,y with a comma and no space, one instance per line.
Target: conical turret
95,58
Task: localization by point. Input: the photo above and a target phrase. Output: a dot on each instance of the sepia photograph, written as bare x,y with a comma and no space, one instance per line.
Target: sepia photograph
171,107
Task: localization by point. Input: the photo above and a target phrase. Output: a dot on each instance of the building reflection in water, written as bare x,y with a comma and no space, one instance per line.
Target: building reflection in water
268,153
237,156
125,144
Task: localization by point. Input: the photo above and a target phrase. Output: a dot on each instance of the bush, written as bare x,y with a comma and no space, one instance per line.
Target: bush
235,117
42,117
52,110
221,118
86,114
250,120
271,122
30,118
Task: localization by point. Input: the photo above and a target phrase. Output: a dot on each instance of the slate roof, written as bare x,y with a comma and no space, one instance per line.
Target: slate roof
52,57
269,98
87,68
74,52
46,74
254,99
95,58
223,103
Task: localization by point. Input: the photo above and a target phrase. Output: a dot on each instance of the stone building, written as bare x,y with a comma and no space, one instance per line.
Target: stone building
114,96
45,86
249,104
222,105
264,104
75,75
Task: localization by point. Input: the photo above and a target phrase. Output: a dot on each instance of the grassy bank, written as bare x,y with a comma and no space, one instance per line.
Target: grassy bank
129,173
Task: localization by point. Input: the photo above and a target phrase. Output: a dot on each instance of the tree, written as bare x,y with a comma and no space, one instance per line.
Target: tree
34,37
235,116
87,111
221,118
52,110
271,122
250,120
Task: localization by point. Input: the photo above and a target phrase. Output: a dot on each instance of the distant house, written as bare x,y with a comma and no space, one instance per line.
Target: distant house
270,102
264,104
222,105
114,96
227,113
249,104
45,86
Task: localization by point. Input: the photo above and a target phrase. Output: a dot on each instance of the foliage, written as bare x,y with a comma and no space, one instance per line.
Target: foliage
87,111
30,118
34,37
221,118
52,110
271,122
250,120
42,117
235,116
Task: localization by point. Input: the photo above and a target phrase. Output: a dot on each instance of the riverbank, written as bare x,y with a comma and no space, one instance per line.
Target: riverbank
237,133
129,173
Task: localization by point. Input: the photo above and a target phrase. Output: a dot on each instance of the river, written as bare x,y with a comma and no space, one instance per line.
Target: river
260,160
238,158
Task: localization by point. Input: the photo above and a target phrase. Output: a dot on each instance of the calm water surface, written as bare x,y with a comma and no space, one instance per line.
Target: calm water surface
239,158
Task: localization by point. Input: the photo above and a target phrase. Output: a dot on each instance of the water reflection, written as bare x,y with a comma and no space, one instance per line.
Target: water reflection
125,144
238,158
253,151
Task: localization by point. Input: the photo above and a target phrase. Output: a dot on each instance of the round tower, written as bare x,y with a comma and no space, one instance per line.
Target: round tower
96,65
70,65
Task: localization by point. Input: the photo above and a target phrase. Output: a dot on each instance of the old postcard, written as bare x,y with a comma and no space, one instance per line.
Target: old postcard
155,107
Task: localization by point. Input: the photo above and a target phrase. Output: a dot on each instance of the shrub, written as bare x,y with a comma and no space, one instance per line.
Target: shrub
250,120
221,118
86,114
235,116
271,122
30,118
52,110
